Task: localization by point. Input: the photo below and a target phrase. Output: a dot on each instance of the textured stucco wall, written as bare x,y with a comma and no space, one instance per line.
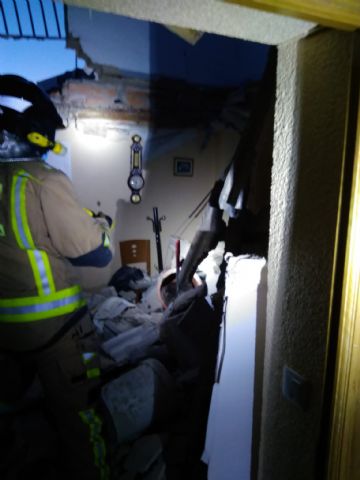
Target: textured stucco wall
211,16
309,125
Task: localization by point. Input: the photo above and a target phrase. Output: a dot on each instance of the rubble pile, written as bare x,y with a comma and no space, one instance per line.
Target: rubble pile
159,400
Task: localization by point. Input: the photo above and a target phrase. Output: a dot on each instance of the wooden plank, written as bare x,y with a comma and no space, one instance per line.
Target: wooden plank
341,14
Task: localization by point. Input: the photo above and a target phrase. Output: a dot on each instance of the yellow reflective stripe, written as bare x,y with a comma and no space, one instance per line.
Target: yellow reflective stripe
106,240
87,357
27,309
39,259
33,317
24,215
14,224
24,173
94,423
36,273
48,270
93,373
25,301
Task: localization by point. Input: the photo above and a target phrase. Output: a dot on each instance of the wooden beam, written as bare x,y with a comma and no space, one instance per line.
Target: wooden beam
341,14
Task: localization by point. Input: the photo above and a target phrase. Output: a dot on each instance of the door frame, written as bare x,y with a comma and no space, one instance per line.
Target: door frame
344,435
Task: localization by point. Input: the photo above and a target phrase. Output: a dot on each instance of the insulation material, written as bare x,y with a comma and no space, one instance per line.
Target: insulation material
188,34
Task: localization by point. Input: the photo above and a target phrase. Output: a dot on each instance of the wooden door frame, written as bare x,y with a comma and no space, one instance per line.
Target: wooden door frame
340,14
344,434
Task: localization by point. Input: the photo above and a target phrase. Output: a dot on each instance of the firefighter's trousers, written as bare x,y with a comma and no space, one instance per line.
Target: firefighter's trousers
69,375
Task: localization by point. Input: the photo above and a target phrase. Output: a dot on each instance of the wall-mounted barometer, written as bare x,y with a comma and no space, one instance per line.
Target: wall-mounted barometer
136,181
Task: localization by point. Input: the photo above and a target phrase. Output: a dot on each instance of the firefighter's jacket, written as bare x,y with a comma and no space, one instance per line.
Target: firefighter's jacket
43,231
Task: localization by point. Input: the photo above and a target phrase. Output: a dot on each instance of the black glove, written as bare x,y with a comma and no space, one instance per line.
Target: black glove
106,217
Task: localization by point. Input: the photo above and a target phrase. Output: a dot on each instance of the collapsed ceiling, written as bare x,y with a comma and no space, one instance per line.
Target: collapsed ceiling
143,74
160,104
211,16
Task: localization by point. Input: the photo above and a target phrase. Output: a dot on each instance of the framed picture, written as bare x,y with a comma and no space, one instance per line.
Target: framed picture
183,167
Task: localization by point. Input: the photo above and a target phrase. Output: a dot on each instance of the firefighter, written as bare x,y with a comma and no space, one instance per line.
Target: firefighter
44,325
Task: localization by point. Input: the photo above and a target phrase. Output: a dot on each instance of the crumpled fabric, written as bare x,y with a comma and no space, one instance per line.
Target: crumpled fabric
150,300
116,315
94,300
111,308
131,345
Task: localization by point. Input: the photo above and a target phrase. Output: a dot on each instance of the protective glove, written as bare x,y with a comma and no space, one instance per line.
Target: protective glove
108,219
105,217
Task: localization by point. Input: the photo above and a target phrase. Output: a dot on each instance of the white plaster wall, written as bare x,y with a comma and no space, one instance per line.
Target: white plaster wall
229,430
309,126
100,169
176,197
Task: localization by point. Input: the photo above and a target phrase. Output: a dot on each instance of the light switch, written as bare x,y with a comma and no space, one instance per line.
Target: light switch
296,388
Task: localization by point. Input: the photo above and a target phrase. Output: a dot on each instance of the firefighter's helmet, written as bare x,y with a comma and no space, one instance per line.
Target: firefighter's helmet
28,119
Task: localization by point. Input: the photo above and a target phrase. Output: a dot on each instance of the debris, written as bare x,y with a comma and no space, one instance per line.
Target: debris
93,300
144,453
139,398
157,471
130,346
110,308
